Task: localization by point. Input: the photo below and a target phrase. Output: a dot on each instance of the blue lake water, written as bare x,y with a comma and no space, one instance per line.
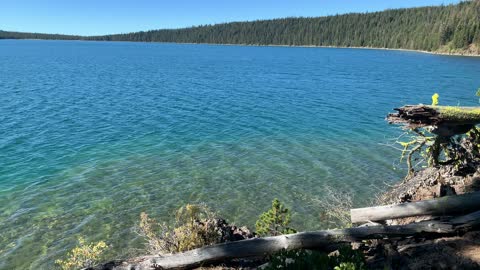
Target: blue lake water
93,133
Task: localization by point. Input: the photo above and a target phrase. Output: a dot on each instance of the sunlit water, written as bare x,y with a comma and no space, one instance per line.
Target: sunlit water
93,133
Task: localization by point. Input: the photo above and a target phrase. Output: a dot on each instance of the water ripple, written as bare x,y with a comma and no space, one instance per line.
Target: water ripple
94,133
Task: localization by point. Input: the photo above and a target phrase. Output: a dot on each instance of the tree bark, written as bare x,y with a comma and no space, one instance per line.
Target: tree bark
449,205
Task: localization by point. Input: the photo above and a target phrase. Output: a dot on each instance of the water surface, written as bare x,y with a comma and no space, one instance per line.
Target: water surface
93,133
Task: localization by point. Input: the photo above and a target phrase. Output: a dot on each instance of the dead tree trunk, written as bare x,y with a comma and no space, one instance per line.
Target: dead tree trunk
449,205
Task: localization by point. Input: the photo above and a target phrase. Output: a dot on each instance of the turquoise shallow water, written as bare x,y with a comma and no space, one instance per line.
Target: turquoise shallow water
93,133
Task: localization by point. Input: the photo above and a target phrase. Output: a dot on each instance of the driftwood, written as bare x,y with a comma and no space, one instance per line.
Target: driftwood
444,120
449,205
320,240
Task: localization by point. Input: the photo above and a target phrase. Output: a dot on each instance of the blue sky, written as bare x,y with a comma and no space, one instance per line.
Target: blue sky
93,17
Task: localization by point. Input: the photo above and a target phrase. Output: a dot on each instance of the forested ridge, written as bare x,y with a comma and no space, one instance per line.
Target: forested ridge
436,28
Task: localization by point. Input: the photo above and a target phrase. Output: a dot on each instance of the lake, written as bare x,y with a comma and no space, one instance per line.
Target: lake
94,133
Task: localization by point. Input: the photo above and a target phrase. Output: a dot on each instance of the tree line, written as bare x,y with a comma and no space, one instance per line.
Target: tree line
425,28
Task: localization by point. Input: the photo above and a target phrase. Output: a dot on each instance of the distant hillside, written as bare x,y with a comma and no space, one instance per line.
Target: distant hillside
452,28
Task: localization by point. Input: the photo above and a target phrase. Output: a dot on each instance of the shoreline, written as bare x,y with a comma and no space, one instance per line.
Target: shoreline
464,54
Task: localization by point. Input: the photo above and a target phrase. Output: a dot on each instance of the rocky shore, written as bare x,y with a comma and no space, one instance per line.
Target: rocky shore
455,252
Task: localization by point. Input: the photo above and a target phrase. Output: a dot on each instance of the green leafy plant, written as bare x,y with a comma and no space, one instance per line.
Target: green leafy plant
83,256
478,93
298,260
345,266
344,259
348,259
275,221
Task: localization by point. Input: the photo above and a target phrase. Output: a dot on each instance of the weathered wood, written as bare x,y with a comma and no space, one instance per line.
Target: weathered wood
445,120
467,222
321,240
449,205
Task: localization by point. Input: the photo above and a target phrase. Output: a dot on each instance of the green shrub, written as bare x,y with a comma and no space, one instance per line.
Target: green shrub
298,260
348,259
275,221
83,256
193,229
345,266
345,259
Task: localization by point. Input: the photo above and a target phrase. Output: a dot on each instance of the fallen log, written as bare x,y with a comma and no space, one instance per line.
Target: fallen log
467,222
449,205
320,240
445,120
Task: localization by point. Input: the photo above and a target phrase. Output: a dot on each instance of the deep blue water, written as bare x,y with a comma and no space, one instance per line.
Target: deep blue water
93,133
